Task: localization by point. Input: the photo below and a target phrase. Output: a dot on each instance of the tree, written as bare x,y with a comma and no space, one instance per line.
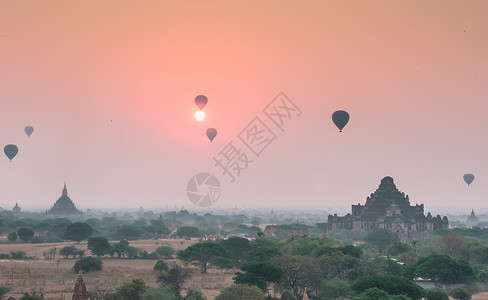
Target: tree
25,234
335,288
222,263
12,236
119,248
160,266
129,232
241,292
71,250
165,251
260,274
32,296
450,244
373,294
175,278
188,232
394,285
132,290
263,253
78,231
380,238
3,290
298,272
435,293
88,264
238,247
194,295
339,265
299,245
201,254
157,227
158,294
443,269
98,246
460,294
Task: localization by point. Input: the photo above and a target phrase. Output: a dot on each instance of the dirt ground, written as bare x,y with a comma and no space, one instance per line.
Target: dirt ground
56,279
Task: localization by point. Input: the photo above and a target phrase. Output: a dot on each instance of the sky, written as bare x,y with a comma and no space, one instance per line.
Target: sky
109,87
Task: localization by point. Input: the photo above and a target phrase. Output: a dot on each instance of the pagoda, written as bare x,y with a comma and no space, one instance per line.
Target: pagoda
79,292
388,208
64,205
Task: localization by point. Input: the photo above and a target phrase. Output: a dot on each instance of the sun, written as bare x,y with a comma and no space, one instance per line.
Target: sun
199,115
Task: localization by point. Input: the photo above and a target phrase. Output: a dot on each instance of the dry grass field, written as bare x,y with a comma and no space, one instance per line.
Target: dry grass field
56,280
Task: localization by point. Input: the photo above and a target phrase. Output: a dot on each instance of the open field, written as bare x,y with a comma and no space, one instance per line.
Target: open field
56,280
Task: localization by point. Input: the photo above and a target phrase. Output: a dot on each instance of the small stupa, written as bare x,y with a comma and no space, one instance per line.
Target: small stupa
305,296
79,292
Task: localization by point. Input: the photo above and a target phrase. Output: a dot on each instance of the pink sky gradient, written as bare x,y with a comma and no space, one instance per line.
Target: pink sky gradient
109,88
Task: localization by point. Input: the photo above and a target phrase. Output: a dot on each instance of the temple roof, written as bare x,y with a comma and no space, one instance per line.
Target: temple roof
64,205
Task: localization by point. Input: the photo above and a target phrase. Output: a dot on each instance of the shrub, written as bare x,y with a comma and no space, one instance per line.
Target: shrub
460,294
165,251
161,265
12,236
194,295
435,293
88,264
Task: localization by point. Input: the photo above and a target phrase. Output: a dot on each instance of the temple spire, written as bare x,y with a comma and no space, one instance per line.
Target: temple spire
65,191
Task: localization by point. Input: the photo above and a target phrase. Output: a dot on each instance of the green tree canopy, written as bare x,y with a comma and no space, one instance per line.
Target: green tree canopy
188,232
88,264
12,236
32,296
25,234
71,250
201,254
165,251
3,291
435,293
443,268
78,231
394,285
260,274
129,232
241,292
175,278
238,247
98,246
460,293
263,253
132,290
380,238
160,266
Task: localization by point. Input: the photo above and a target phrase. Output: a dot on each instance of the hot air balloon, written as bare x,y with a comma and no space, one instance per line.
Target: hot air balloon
211,134
340,119
11,150
468,178
201,101
29,130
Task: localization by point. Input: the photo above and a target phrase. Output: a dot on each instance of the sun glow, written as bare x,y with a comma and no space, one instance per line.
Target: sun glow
199,115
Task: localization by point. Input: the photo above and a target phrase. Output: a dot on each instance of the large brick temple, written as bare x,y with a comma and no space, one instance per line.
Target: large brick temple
388,208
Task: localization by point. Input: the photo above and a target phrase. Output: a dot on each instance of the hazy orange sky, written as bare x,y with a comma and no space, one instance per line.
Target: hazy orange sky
109,87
